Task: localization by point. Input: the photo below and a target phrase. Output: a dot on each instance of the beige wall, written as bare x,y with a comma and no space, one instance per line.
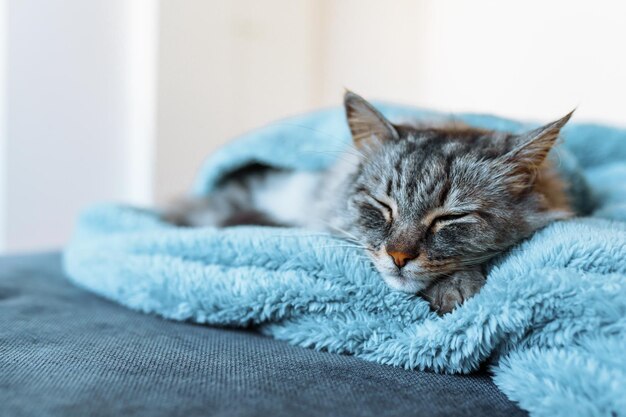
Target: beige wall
531,59
113,101
226,67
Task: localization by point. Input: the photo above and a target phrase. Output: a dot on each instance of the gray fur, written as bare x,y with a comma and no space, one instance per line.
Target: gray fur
431,206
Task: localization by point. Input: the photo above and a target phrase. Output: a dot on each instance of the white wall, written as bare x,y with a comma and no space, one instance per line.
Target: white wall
531,59
70,115
141,91
226,67
114,100
3,131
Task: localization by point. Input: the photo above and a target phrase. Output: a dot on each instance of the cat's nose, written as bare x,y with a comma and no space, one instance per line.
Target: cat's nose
400,258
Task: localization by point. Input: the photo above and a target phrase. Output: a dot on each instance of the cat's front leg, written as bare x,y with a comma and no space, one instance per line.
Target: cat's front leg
448,292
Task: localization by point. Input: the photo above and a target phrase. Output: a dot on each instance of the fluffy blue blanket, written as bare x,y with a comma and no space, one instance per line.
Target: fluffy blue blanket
551,319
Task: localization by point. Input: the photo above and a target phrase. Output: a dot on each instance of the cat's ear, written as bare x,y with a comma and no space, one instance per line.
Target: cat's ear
366,123
530,150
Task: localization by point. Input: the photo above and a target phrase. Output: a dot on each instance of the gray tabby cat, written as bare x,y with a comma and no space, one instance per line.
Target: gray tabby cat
430,205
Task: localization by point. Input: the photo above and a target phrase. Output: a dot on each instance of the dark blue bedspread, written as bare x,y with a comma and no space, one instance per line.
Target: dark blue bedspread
66,352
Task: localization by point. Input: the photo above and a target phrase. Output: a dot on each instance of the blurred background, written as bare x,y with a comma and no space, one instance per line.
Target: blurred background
120,100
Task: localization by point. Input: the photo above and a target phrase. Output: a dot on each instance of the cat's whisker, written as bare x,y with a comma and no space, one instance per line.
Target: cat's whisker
322,234
365,258
347,150
340,230
342,246
347,238
345,144
358,153
478,259
350,245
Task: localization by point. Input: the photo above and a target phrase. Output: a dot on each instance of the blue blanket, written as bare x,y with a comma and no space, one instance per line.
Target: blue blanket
551,320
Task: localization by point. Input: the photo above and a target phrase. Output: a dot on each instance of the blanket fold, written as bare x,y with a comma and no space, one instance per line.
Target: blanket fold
551,319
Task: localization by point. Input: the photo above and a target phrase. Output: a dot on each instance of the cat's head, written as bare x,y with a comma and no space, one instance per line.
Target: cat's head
427,202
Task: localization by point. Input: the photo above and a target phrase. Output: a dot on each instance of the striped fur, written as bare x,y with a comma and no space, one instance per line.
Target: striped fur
443,199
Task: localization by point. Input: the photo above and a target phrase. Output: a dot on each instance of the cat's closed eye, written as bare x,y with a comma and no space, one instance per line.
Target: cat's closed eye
385,209
444,220
450,217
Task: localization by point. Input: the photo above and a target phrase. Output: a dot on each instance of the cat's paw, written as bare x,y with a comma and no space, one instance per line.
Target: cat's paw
446,293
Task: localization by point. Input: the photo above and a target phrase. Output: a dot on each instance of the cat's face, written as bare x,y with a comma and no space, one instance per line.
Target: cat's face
429,202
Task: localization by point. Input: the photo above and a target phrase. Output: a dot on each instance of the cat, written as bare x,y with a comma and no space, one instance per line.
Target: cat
431,205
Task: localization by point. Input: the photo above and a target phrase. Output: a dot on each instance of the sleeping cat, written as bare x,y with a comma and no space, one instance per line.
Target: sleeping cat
431,205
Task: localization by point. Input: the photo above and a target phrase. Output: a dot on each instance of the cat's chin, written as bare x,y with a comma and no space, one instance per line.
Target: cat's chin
400,283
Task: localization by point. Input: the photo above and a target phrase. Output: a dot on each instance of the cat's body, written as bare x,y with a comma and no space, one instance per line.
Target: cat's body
430,205
258,195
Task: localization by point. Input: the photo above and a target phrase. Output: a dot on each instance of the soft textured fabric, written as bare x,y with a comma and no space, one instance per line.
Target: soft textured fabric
68,353
552,316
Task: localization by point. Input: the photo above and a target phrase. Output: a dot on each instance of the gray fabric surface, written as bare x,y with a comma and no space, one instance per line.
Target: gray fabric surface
65,352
